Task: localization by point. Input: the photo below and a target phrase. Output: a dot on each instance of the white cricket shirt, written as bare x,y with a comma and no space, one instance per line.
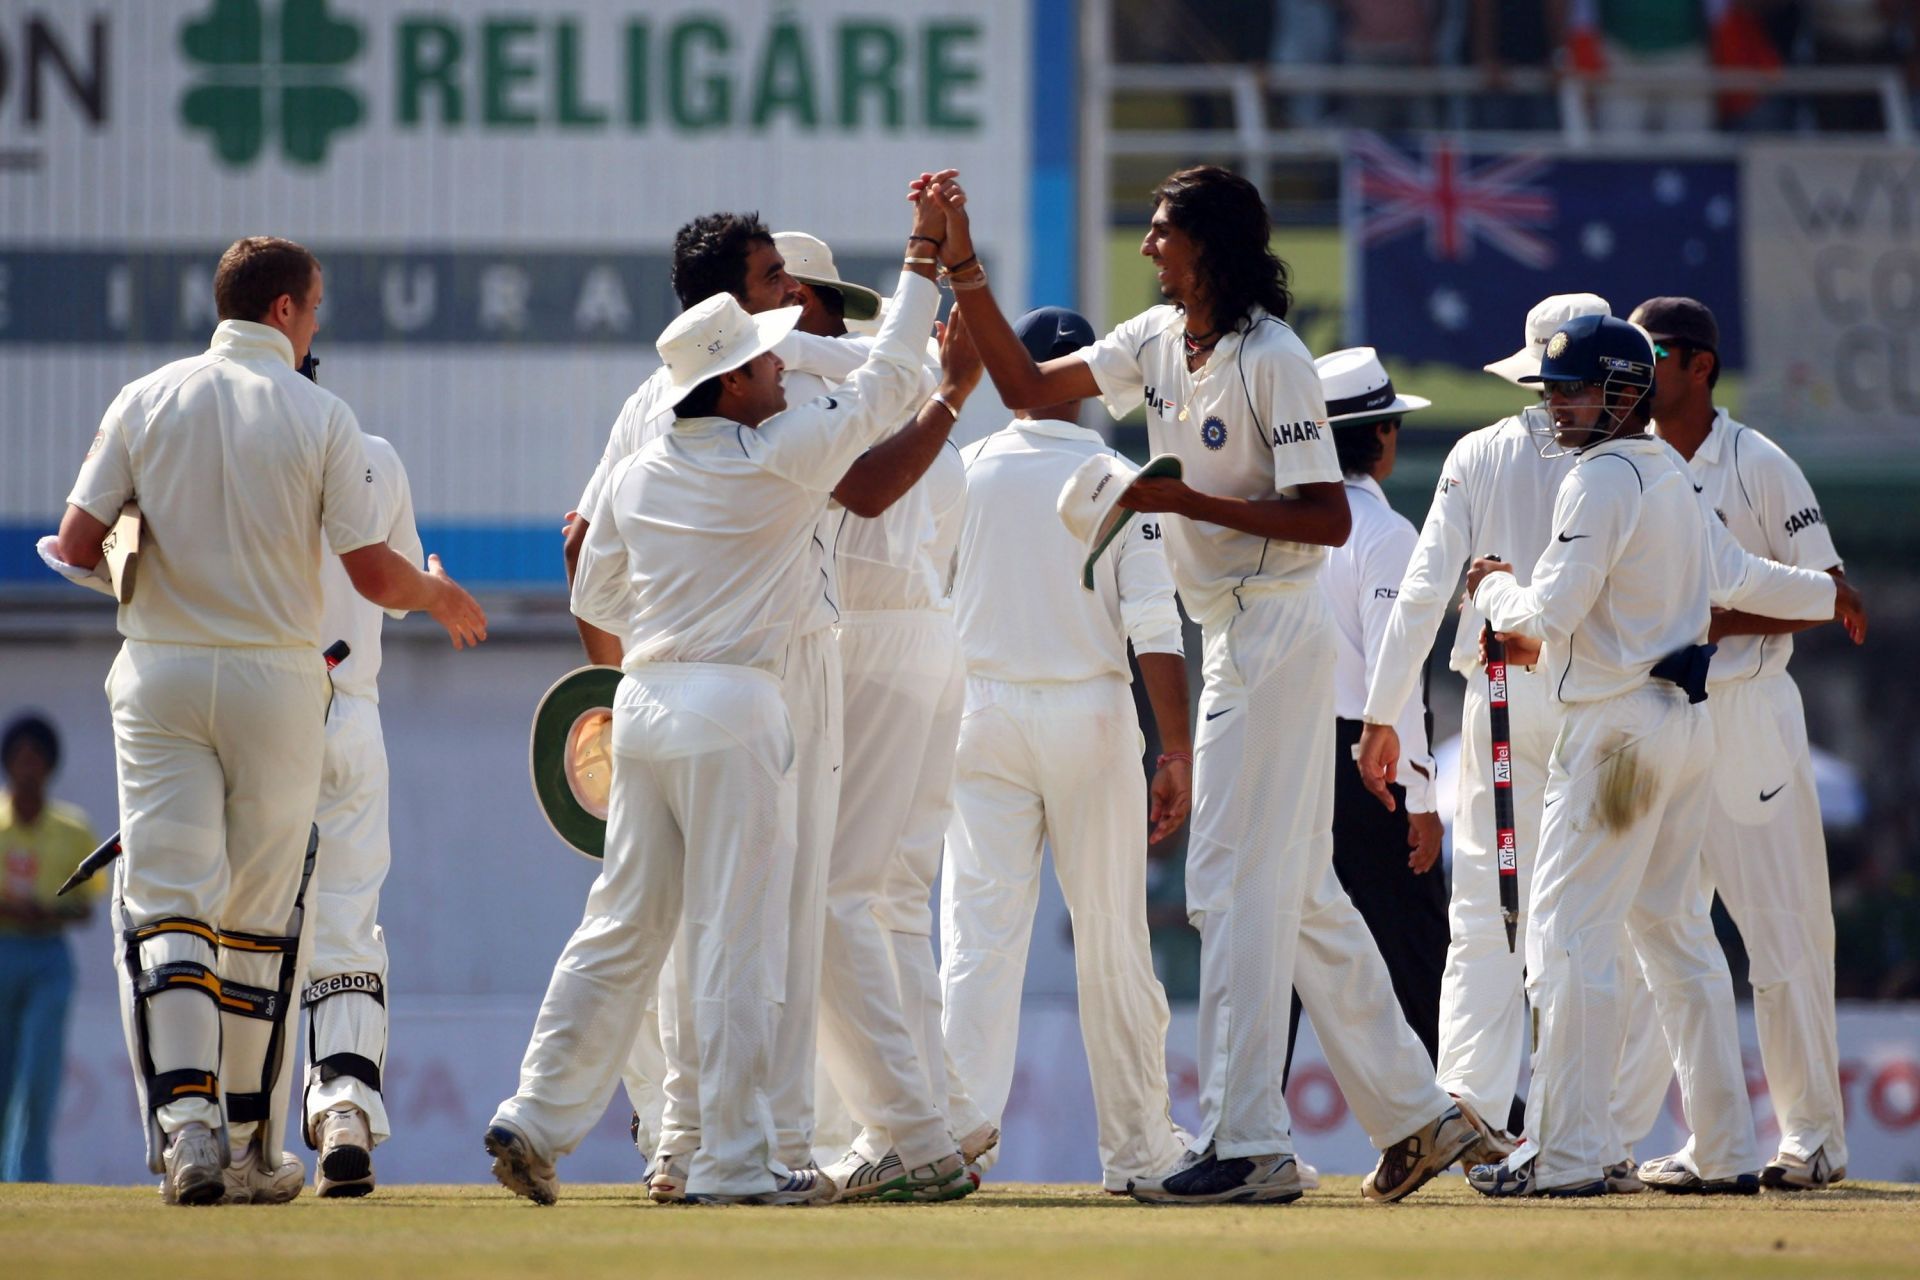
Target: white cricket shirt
1022,613
1250,423
1635,563
1764,500
702,546
348,615
1361,580
245,472
1495,498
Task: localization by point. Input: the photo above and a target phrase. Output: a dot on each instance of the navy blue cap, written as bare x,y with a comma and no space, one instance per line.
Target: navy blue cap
1049,332
1596,349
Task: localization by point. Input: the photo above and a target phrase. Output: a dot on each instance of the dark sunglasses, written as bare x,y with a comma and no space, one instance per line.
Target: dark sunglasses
1568,386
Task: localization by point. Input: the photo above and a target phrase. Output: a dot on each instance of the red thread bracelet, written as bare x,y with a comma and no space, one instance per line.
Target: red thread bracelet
1161,763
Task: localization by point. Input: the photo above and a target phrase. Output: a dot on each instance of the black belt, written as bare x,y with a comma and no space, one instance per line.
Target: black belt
1687,668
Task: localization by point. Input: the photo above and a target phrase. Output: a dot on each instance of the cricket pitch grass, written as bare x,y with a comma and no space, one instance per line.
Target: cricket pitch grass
1066,1232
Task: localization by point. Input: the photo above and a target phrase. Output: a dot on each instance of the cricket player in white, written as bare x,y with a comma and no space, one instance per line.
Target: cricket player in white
736,254
219,694
345,998
1764,849
1496,492
1620,601
892,532
1049,753
701,552
1233,393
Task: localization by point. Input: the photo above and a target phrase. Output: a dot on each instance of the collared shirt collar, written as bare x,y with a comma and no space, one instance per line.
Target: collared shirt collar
1367,484
244,338
1056,428
692,426
1709,450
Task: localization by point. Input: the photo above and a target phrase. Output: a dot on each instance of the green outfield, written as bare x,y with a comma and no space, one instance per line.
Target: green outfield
472,1233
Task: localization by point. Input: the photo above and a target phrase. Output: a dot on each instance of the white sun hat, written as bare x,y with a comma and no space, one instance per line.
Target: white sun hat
1358,390
1546,317
717,336
811,262
1089,503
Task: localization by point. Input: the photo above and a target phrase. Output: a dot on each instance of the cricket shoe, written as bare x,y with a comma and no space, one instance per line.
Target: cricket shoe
1412,1162
1309,1176
345,1168
193,1167
1623,1179
975,1146
807,1186
667,1184
888,1178
1208,1179
1490,1145
250,1180
1675,1176
1788,1172
517,1167
1512,1178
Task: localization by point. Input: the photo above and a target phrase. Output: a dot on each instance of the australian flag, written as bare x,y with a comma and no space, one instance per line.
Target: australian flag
1450,248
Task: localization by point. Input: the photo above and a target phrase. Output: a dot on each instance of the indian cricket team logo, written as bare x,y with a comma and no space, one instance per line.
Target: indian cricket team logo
1556,345
1213,433
1502,765
1506,852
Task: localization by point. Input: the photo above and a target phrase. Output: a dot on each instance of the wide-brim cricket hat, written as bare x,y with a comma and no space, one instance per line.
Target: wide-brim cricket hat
716,336
571,756
810,261
1358,390
1089,503
1542,323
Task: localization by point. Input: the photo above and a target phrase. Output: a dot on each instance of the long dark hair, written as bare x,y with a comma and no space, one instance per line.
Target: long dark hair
1226,217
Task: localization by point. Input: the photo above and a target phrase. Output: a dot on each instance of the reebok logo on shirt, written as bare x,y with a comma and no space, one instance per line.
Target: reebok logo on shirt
1805,518
1386,593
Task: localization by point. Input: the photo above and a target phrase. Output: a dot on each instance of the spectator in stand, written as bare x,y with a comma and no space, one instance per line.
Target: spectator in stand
1306,33
1516,34
1608,37
41,842
1388,34
1855,33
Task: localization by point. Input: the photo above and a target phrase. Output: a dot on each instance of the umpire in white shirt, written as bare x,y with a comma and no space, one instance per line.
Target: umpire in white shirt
1384,858
246,474
1050,752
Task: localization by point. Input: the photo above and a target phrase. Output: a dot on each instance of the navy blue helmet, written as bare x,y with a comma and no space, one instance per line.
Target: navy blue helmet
1601,350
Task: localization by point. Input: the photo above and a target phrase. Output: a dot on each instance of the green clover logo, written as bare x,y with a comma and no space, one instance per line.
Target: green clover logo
259,76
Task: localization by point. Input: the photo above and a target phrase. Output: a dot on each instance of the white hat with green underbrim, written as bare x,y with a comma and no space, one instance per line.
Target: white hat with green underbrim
1089,504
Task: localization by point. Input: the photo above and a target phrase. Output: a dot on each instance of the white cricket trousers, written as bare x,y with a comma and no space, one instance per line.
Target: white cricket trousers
813,693
346,994
1262,892
700,844
1626,809
219,755
1767,856
1060,764
1483,1005
899,666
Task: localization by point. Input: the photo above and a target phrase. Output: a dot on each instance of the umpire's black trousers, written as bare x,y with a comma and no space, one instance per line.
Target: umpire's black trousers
1406,913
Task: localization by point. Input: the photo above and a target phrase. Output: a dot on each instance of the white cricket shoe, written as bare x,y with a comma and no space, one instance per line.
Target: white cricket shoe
193,1167
808,1186
1788,1172
1412,1162
1676,1175
1205,1178
345,1167
667,1184
250,1180
888,1178
518,1167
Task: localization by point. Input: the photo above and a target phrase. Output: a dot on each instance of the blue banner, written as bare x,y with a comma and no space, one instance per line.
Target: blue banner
1450,247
